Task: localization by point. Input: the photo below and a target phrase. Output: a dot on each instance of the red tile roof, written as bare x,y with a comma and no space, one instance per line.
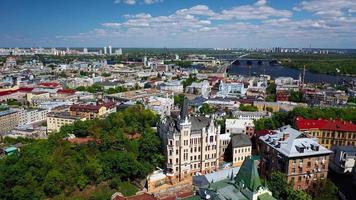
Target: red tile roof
66,91
7,92
49,84
25,89
325,124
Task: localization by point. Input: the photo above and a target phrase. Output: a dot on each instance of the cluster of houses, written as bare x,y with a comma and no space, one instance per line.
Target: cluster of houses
220,153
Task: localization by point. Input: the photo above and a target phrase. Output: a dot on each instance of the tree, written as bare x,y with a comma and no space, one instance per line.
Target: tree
324,190
178,100
297,195
278,185
249,108
53,183
283,190
206,109
295,96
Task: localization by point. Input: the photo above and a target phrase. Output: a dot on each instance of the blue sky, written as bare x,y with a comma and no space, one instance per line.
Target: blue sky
178,23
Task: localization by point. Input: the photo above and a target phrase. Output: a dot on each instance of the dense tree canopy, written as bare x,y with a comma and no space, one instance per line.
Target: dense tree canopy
57,168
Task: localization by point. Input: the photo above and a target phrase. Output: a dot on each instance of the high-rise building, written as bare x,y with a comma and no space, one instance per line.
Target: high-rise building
145,61
85,50
118,51
110,50
105,50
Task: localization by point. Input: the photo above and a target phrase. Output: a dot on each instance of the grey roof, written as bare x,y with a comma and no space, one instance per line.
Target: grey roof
296,143
240,140
199,122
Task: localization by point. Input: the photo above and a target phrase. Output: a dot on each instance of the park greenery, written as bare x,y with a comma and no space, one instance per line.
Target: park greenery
58,169
279,119
180,63
178,100
207,109
248,108
271,92
328,64
191,79
97,88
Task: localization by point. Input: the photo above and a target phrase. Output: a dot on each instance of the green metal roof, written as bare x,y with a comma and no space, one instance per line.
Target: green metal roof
265,196
248,175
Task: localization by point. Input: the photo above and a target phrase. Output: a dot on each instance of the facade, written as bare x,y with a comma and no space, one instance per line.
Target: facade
191,144
56,120
92,111
160,105
32,116
343,160
240,126
9,119
201,88
329,131
246,115
174,86
241,148
301,158
231,89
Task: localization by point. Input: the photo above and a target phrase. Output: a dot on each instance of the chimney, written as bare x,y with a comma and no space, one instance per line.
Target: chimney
285,136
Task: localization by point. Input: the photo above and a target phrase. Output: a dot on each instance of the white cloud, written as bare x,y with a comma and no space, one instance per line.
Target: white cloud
111,24
202,10
200,26
259,10
128,2
327,8
133,2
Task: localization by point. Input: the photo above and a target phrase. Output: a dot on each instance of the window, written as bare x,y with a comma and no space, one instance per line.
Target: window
299,179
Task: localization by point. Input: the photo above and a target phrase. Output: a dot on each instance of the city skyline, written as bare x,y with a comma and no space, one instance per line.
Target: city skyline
172,24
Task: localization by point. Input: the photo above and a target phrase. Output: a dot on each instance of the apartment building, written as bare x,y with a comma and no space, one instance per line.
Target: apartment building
191,144
56,120
29,116
240,126
92,111
241,148
301,158
9,119
330,132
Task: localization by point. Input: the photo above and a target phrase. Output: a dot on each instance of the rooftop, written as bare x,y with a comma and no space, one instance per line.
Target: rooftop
325,124
293,143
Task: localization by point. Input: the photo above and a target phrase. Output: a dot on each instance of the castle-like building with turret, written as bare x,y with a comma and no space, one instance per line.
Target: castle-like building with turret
191,144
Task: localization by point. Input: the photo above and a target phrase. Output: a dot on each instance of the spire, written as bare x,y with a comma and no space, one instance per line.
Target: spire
184,109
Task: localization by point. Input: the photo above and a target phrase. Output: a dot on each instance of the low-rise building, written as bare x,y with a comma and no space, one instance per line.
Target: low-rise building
241,148
56,120
173,86
9,119
231,89
240,126
301,158
329,131
199,88
92,111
